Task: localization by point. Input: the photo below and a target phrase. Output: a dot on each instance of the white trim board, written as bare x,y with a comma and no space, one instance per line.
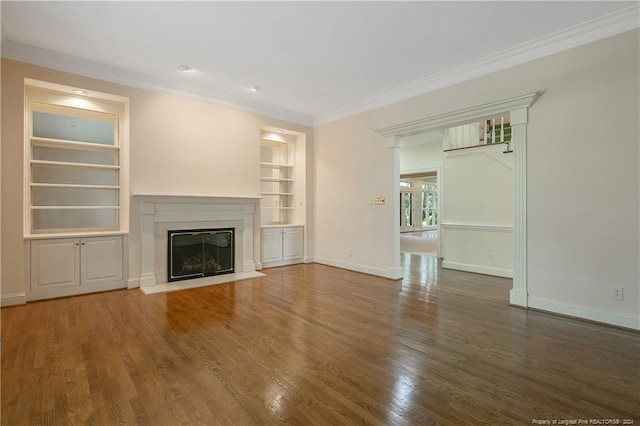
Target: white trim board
351,266
493,151
478,269
478,226
592,314
13,299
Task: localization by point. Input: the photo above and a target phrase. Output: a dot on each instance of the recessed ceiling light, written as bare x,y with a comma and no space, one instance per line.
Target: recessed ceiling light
79,92
184,68
254,88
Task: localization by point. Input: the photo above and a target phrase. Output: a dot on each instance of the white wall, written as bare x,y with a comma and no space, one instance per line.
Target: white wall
583,205
477,213
420,153
582,140
349,173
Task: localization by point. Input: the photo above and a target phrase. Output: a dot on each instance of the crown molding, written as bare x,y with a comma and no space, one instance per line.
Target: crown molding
67,63
617,22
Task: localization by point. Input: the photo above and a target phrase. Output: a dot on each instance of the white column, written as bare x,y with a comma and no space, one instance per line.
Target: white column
147,274
394,271
249,250
518,295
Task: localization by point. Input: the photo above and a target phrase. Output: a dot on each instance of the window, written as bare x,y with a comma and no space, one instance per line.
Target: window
406,205
406,209
75,157
418,203
429,205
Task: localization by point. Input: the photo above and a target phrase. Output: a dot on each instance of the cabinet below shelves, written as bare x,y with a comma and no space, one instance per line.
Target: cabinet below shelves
282,246
69,266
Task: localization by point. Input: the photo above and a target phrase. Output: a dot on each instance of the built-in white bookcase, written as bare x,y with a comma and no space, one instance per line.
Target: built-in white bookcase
76,197
283,196
75,175
277,181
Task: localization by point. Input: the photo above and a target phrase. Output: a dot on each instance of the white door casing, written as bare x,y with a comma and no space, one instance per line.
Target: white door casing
518,110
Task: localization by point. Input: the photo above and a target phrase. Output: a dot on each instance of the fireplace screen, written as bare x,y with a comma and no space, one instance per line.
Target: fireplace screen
200,253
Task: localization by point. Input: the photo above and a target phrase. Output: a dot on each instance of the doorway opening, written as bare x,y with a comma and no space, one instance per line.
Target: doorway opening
419,213
518,112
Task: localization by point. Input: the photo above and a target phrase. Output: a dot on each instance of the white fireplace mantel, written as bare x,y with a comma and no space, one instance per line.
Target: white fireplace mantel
162,212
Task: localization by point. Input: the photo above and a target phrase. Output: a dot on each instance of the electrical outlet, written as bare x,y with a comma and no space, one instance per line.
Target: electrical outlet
350,252
618,293
492,257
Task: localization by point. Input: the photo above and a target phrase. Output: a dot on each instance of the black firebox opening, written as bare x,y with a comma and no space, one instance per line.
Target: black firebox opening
197,253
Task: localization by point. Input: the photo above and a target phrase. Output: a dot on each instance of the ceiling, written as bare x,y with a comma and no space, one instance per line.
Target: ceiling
313,62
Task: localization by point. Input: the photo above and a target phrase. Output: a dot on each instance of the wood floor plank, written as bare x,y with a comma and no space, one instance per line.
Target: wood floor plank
312,344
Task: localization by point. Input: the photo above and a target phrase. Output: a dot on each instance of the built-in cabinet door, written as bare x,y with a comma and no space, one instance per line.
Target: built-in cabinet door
68,266
101,259
271,245
55,263
282,245
293,243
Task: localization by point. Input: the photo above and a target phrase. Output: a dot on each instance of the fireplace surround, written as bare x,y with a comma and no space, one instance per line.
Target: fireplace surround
161,213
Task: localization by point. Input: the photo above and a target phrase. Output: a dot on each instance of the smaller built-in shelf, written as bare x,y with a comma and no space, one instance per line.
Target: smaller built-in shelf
276,193
84,146
276,208
273,179
69,164
74,207
274,165
72,186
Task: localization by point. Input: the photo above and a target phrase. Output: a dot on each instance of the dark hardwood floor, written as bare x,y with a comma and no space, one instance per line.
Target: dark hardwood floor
310,344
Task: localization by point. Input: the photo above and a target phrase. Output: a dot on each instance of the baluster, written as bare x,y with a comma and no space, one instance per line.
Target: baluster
493,130
486,131
502,129
467,135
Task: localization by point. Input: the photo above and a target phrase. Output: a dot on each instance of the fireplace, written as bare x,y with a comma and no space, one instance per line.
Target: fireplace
161,213
197,253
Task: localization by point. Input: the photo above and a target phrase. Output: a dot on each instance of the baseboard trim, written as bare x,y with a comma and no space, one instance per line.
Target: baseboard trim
133,283
597,315
394,273
267,265
478,269
518,298
13,299
352,266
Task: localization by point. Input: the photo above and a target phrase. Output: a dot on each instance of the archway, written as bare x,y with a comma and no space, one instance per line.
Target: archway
517,108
